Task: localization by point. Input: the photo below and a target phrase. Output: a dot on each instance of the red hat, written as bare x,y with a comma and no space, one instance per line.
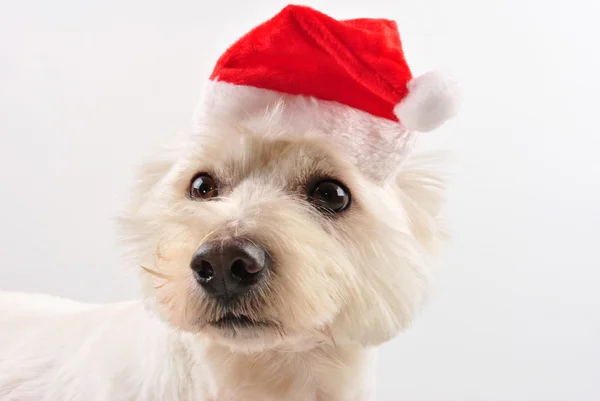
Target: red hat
346,79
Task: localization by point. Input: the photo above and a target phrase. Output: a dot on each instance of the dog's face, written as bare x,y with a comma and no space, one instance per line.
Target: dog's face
263,242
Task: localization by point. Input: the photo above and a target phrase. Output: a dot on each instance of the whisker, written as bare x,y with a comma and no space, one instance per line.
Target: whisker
159,286
155,273
206,236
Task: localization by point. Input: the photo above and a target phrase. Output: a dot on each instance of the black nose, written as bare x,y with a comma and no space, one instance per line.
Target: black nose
227,268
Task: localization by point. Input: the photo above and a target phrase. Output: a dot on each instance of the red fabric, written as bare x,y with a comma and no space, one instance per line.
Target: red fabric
300,51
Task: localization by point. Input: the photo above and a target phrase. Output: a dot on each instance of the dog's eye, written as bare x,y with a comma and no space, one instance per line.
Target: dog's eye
203,187
331,195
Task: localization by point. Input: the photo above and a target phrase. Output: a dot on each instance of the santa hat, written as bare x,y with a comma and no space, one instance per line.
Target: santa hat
346,80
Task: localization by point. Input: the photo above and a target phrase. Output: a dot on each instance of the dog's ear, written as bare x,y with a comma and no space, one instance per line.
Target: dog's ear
132,222
386,305
155,167
421,189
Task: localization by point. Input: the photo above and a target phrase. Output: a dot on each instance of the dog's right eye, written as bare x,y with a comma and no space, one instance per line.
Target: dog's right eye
203,187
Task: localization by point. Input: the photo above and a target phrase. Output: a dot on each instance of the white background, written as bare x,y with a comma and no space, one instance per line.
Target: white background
87,88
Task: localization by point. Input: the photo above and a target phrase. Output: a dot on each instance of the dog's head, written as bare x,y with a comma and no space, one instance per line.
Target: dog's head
264,242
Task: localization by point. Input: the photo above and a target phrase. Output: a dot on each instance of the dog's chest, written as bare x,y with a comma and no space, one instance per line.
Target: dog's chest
318,375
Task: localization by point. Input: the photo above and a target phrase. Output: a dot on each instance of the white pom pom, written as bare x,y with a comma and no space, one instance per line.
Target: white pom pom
432,100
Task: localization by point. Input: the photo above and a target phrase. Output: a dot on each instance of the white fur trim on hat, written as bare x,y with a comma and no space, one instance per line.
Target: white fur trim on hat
432,100
375,145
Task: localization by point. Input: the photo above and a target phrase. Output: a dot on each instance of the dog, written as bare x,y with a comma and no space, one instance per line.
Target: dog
326,264
278,244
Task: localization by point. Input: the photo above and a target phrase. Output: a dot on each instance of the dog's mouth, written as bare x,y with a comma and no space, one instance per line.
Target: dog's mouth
231,320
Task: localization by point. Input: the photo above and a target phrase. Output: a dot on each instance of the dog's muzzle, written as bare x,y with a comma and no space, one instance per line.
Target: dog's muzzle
229,268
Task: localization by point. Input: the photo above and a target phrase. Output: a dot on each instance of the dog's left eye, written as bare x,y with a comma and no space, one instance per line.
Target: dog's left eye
331,195
203,187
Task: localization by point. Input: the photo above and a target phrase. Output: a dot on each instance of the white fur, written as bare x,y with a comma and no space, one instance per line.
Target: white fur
122,352
432,99
54,349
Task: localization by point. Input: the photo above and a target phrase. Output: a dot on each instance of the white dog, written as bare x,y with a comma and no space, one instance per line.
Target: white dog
316,292
273,261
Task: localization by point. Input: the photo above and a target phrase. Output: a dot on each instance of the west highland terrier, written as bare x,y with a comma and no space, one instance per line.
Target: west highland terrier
278,244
